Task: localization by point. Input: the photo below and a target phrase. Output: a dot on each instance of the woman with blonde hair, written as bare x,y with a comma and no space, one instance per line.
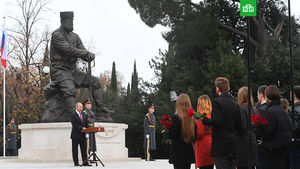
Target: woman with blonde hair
203,141
243,148
182,134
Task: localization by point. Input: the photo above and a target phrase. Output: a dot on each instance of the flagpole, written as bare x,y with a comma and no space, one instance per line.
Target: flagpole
4,112
4,139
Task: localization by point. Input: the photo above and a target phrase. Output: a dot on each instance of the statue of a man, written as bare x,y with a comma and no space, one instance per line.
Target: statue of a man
65,48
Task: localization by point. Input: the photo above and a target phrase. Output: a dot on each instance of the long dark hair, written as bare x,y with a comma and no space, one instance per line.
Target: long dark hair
183,103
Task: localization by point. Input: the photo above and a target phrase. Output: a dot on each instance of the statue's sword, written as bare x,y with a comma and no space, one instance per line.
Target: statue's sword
90,79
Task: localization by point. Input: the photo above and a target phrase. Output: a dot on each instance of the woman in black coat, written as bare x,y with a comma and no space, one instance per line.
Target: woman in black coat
243,148
277,135
182,134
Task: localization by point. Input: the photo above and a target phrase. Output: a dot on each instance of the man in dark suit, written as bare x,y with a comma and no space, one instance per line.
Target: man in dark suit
79,122
226,122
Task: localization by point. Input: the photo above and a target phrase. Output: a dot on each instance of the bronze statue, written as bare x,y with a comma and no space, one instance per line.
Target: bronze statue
65,48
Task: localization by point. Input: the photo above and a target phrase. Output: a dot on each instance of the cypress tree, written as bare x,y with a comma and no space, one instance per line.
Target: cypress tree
134,85
113,84
128,90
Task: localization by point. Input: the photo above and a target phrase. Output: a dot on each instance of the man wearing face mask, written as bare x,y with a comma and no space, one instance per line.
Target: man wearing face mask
65,48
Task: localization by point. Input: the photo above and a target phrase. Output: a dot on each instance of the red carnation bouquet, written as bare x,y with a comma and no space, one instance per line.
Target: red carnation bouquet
197,115
166,122
258,121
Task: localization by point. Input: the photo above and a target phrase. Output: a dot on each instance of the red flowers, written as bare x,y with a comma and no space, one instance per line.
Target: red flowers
197,115
166,121
264,121
258,120
190,112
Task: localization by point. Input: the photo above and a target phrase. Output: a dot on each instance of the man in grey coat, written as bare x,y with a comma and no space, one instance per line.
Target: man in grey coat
149,133
11,147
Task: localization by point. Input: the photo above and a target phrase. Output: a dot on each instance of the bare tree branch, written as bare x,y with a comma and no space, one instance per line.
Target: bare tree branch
264,19
19,23
20,46
241,33
17,32
278,29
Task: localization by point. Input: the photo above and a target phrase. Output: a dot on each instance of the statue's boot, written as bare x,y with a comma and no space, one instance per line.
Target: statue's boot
50,91
103,114
69,104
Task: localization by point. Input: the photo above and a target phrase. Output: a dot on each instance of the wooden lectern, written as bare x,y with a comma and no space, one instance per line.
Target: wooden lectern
93,130
94,155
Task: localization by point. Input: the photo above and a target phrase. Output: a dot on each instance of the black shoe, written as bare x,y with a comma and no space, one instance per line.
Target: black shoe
76,164
151,159
87,165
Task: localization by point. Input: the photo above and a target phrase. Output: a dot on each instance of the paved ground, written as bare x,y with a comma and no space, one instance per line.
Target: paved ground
158,164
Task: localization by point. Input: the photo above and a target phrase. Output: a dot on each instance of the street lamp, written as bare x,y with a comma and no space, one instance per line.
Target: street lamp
46,69
173,96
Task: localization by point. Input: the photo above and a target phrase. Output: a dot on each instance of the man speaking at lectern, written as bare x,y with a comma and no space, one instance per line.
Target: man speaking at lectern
79,122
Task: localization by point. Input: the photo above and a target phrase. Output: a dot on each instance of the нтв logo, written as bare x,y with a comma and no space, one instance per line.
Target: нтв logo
248,8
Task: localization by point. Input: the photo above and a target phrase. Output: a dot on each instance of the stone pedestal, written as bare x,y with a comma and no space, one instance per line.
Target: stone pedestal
50,142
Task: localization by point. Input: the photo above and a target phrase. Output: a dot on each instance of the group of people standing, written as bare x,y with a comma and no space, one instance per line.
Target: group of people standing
225,137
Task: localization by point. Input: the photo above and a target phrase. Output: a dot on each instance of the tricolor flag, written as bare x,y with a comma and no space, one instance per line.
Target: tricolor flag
3,48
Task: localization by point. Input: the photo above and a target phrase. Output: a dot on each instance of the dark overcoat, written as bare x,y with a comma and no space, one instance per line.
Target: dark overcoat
226,121
91,123
243,147
180,151
149,129
11,136
278,131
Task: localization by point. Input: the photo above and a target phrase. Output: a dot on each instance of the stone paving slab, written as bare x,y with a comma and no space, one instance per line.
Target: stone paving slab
142,164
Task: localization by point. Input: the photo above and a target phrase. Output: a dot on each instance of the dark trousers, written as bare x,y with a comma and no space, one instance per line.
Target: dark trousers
260,157
207,167
92,142
295,153
75,144
182,166
11,152
225,162
245,167
275,158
